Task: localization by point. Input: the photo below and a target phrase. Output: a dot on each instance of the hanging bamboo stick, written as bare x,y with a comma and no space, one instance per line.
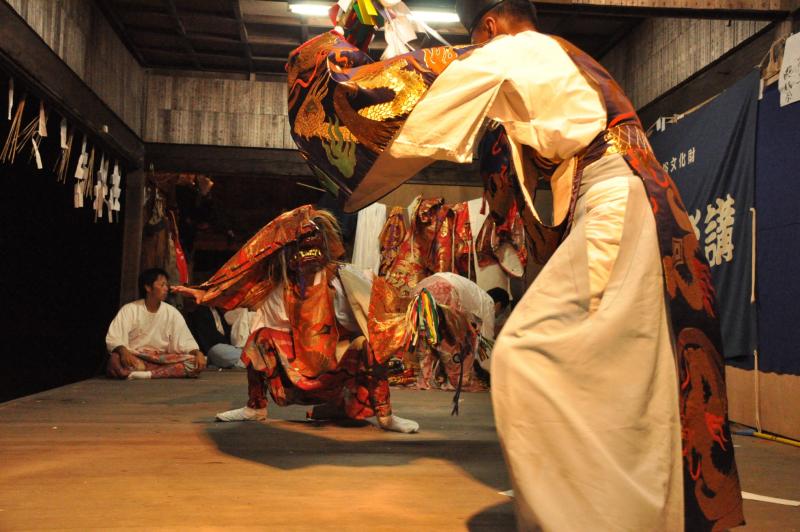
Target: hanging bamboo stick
88,183
62,165
10,149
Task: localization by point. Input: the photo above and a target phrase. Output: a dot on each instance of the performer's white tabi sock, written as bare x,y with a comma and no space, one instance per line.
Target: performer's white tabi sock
134,375
398,424
243,414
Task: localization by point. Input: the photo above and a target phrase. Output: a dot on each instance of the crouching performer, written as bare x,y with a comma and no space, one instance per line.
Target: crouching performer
306,345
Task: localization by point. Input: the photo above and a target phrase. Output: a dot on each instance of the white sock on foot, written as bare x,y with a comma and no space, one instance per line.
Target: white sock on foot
398,424
133,375
243,414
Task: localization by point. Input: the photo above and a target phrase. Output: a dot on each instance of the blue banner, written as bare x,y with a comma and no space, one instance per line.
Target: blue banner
778,232
711,156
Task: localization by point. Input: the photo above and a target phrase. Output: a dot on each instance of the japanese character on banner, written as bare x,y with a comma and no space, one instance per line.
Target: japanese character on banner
695,219
691,155
719,221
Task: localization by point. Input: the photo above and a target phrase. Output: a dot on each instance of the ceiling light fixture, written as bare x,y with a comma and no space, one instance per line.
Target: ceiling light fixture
321,10
310,10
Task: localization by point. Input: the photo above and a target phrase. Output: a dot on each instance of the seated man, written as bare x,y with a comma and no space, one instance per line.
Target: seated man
239,320
306,346
149,339
502,308
213,334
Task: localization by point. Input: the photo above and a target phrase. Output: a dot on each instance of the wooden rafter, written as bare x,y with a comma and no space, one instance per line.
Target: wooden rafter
714,9
111,14
237,12
182,31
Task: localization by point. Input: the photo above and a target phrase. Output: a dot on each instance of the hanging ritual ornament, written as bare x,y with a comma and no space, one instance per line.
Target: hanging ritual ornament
114,194
101,188
80,175
10,96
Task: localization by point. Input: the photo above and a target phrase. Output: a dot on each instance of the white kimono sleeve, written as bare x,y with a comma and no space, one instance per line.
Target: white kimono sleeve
120,328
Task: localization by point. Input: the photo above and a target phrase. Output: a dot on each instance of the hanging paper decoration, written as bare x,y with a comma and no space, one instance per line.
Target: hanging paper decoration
91,179
63,129
80,175
62,165
113,197
10,96
88,188
42,120
101,188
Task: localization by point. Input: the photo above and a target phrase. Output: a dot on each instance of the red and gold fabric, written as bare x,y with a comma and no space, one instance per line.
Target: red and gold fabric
350,385
246,279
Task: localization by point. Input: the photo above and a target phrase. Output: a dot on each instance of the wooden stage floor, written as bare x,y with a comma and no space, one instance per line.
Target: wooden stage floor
148,455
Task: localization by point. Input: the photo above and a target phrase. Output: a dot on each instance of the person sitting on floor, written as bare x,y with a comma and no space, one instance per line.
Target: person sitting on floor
149,338
502,308
213,334
239,320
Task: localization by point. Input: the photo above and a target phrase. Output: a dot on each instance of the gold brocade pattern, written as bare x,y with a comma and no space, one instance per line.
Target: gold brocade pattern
408,86
622,138
310,121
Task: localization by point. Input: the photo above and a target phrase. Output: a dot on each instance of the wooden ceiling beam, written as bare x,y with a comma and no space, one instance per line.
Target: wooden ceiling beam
710,9
182,30
237,12
119,28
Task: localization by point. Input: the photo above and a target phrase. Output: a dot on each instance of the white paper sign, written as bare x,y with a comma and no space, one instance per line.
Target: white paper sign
789,81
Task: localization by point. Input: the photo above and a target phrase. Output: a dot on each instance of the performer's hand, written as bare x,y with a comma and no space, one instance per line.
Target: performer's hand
195,293
129,360
199,360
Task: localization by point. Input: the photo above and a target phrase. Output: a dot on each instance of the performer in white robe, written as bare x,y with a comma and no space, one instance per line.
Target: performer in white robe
598,431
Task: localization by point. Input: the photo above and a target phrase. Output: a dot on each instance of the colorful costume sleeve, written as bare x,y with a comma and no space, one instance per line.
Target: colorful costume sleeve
345,109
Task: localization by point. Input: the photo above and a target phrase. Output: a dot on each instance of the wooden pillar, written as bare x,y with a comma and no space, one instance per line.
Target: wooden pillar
132,235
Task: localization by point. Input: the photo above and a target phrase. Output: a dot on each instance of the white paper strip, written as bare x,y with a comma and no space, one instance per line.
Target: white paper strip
773,500
77,195
83,162
789,80
10,96
42,120
63,133
36,154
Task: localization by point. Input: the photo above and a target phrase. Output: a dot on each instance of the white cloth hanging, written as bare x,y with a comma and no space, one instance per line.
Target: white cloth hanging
789,81
491,276
367,249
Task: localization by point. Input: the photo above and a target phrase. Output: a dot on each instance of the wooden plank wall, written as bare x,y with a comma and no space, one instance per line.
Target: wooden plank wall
213,111
663,52
84,40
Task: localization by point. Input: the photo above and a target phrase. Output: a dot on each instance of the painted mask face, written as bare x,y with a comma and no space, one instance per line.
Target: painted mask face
308,253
